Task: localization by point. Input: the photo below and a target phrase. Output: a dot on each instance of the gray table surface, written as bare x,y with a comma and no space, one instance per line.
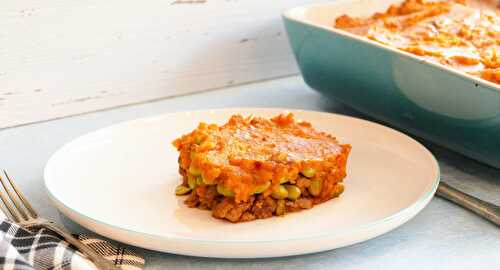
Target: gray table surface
442,236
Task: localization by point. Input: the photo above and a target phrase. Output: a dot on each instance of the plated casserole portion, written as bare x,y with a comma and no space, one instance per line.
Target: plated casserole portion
253,168
464,35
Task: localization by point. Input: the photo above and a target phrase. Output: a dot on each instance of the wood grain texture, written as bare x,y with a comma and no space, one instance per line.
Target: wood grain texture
60,58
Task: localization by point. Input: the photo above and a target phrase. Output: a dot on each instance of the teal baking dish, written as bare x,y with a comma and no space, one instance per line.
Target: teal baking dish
426,99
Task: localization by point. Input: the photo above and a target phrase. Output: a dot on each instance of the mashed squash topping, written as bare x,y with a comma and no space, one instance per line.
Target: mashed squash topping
464,35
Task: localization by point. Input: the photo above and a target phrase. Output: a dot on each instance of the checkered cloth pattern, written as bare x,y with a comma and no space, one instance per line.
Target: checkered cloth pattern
41,249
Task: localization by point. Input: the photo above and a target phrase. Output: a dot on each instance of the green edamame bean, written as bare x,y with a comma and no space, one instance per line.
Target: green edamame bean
280,208
338,189
191,181
283,180
308,172
293,192
199,180
182,190
280,192
261,188
224,191
315,187
194,171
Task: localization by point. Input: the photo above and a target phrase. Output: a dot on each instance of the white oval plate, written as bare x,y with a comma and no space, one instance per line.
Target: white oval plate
119,182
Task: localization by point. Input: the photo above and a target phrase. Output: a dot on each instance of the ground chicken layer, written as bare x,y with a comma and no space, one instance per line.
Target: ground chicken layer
461,34
253,168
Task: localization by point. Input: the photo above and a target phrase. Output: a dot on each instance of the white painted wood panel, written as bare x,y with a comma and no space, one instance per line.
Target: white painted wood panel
65,57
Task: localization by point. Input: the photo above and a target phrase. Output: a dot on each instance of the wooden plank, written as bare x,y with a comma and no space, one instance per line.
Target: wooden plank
60,58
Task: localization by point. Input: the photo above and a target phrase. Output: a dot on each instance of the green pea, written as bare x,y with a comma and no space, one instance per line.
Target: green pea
194,171
308,172
280,208
191,181
315,187
182,190
224,191
199,180
280,192
293,192
261,188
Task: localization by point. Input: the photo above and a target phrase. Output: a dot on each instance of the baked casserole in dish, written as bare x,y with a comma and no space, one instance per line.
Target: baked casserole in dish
427,67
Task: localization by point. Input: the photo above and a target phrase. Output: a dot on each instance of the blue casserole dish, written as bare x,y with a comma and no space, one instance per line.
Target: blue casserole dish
430,100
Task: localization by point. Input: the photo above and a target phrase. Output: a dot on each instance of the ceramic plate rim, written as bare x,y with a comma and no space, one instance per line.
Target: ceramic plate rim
420,203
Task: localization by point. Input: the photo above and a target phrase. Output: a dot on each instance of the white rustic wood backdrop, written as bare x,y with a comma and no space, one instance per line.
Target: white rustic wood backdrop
65,57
